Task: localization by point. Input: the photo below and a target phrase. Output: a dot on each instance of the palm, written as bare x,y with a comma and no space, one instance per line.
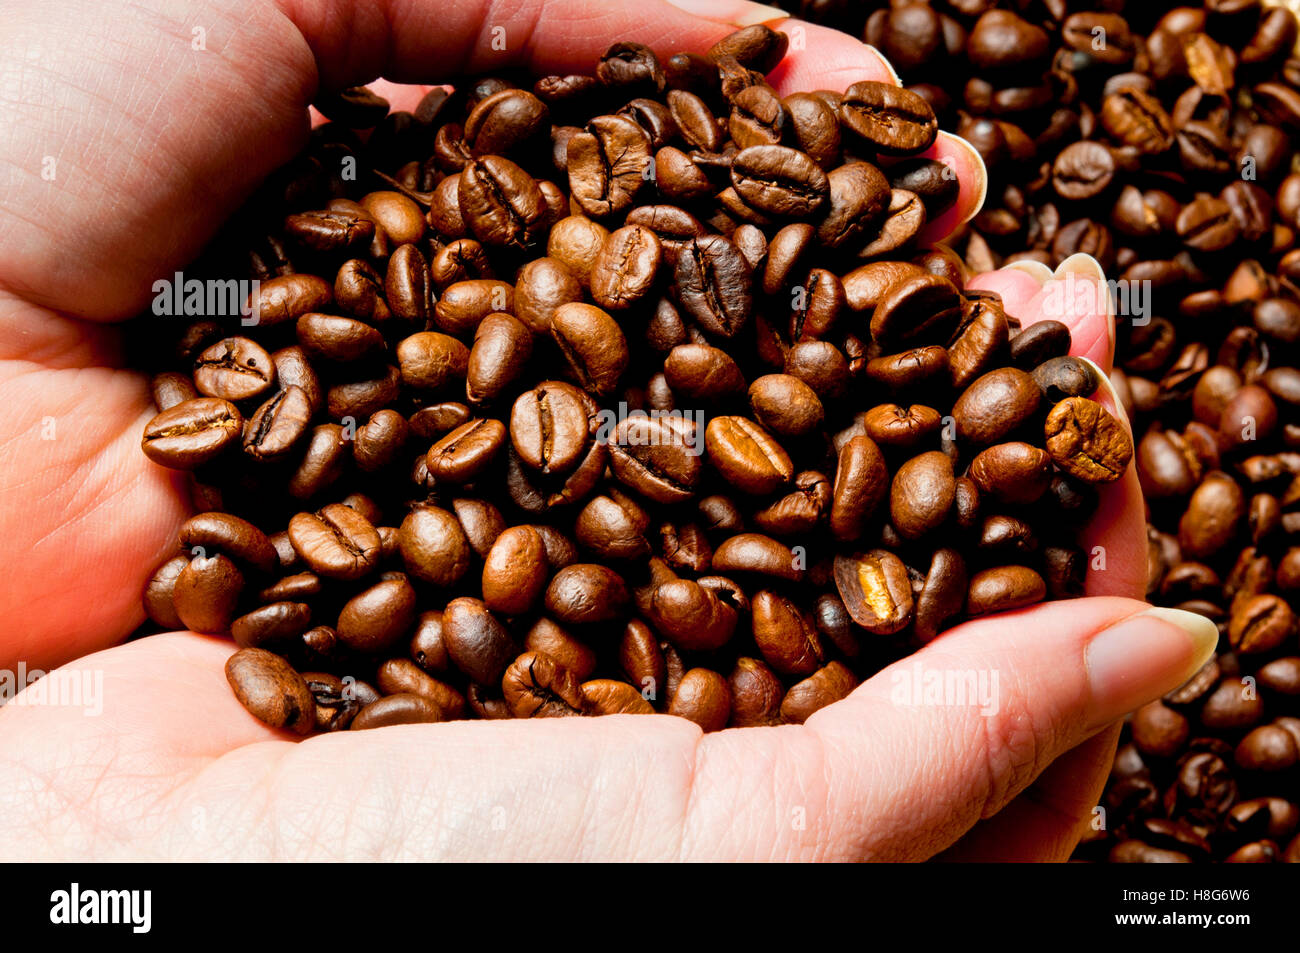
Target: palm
169,764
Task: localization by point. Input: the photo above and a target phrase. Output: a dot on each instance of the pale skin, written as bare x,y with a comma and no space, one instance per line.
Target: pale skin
155,142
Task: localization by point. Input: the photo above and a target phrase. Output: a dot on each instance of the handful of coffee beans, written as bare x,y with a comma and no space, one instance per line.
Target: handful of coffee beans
624,393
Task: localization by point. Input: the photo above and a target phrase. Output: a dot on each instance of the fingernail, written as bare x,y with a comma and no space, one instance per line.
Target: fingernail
1143,658
884,61
737,13
1085,266
1106,387
1034,269
981,183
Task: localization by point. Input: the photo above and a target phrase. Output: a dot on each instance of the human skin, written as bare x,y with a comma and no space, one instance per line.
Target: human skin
154,143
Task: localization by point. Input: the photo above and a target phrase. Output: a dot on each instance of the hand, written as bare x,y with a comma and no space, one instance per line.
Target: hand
153,142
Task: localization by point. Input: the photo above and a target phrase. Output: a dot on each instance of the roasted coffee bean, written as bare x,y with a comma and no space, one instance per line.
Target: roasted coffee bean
824,687
585,592
624,269
859,197
895,121
746,455
192,433
607,165
1012,472
467,451
271,690
607,696
500,202
715,284
1086,441
229,534
756,553
995,404
1083,171
932,182
1063,377
593,346
336,541
913,309
861,482
206,593
234,369
400,709
921,495
658,457
434,546
1004,588
270,624
704,698
537,686
158,593
779,181
277,426
477,643
942,595
876,590
690,616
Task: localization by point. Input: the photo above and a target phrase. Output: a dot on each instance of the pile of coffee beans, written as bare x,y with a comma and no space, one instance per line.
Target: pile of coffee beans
1163,142
620,393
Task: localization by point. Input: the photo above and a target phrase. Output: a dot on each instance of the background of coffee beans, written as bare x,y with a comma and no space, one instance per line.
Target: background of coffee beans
1162,140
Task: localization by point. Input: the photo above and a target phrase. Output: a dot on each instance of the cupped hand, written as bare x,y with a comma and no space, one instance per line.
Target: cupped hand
130,130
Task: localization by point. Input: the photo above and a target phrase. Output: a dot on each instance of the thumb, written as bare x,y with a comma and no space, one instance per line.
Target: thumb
950,735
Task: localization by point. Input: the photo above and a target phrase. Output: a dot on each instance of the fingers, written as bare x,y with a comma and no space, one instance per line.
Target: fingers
86,518
972,181
1076,295
889,773
905,765
418,41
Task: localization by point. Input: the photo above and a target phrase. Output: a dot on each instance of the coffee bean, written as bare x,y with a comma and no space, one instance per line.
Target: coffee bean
1083,171
895,121
657,457
192,433
859,198
336,541
921,495
515,571
593,345
913,309
996,404
779,181
607,696
537,686
715,282
825,686
206,593
606,165
1004,588
690,616
434,546
1013,472
400,709
625,268
861,482
704,698
746,455
500,202
271,690
1086,441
